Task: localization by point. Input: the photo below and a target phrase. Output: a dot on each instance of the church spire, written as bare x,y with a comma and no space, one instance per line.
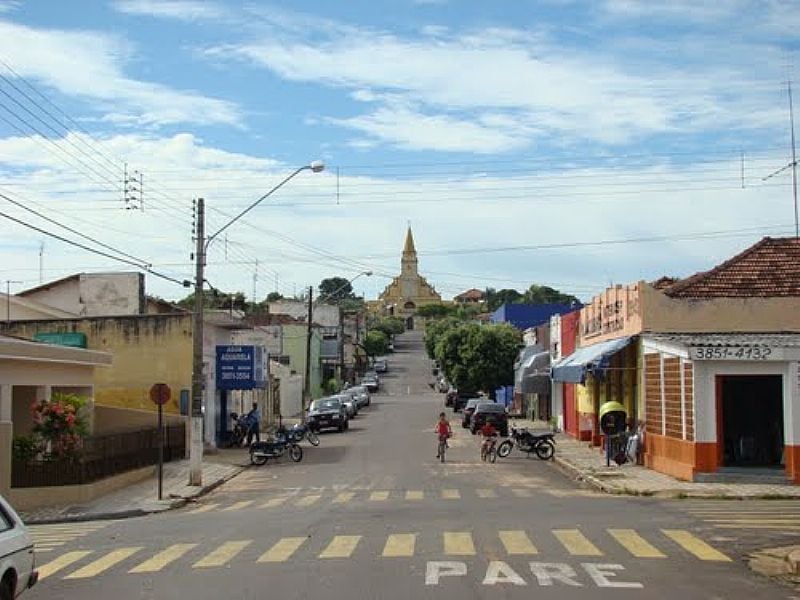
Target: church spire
409,247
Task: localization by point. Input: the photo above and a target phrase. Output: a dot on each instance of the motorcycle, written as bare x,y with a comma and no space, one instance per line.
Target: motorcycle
261,452
300,432
241,425
542,444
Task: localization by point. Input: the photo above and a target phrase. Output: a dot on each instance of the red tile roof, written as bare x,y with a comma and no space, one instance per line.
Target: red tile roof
770,268
471,294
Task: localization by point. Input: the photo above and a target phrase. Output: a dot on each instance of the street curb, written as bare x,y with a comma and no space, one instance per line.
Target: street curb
176,502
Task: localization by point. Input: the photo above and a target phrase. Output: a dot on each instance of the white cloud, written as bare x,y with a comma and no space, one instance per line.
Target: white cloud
184,10
8,6
89,64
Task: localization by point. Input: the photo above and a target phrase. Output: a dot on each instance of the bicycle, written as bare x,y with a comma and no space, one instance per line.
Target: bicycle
442,447
489,450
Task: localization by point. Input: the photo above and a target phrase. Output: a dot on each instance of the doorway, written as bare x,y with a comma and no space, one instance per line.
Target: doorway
410,323
752,420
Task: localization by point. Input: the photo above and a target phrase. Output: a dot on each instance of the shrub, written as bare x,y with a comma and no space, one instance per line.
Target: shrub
60,424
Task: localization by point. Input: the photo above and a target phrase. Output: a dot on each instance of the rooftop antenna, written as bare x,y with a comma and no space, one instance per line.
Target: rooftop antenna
793,164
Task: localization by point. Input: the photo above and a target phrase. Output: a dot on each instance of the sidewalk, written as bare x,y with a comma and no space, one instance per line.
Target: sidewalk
588,465
142,498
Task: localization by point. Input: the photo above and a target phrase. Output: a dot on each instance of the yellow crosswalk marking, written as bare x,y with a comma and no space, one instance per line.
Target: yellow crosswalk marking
162,559
308,500
379,496
415,495
62,562
451,494
204,508
344,498
635,544
400,544
341,546
486,493
458,543
695,545
103,563
576,543
222,555
520,493
282,550
238,505
517,542
273,502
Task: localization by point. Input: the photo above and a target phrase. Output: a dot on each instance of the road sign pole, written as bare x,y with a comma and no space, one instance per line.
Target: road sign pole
160,451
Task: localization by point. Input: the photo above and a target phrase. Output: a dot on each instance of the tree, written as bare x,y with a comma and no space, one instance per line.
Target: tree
376,343
435,311
478,357
435,330
389,326
215,299
496,298
542,294
335,289
274,296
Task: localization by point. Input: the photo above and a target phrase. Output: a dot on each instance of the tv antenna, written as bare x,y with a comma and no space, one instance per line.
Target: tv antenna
793,164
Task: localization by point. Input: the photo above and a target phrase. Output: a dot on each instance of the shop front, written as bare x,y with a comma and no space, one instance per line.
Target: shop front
723,404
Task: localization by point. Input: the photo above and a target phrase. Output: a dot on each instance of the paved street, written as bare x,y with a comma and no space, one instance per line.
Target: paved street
371,514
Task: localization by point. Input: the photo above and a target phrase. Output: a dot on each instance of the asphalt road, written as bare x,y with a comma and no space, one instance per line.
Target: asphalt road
372,514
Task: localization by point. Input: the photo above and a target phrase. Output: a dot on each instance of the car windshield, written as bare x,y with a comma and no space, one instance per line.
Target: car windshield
325,404
492,408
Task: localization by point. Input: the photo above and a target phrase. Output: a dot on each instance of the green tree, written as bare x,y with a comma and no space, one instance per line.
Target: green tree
376,343
274,296
542,294
496,298
435,311
216,300
389,326
478,357
435,330
335,289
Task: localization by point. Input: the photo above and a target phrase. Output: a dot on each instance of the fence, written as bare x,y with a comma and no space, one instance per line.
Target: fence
102,456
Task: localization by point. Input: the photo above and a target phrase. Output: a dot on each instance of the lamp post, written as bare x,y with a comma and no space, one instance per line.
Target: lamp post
202,244
309,330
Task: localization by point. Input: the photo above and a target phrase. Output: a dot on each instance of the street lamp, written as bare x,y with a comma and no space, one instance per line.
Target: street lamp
202,244
309,330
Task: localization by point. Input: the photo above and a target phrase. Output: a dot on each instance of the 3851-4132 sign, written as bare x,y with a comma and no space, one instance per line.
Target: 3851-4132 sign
735,353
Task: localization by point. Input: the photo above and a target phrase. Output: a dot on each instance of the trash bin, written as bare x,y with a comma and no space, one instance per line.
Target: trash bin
612,423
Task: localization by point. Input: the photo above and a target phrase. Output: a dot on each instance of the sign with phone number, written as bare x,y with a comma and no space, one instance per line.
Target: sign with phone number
735,353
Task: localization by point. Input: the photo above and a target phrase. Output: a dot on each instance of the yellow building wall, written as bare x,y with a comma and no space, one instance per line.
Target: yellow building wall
146,350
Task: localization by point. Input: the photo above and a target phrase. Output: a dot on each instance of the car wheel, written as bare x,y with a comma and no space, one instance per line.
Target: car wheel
6,593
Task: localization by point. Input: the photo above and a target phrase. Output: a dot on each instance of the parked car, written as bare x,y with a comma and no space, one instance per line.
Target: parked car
362,395
381,365
450,397
348,398
461,399
490,411
371,381
469,408
390,347
328,413
17,559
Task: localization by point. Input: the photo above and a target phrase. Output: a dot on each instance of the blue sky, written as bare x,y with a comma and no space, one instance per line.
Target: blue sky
572,144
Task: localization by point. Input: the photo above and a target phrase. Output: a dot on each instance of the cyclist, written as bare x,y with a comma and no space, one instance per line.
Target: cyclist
488,434
443,431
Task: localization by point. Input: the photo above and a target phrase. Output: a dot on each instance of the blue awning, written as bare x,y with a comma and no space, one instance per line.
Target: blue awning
591,359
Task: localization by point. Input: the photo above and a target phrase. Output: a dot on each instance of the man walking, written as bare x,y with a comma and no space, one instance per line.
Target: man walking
254,424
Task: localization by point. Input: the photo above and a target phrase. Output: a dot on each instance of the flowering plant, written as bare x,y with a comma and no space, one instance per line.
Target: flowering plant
60,424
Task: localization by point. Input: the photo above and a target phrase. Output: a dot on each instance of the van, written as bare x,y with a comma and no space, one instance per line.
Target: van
17,563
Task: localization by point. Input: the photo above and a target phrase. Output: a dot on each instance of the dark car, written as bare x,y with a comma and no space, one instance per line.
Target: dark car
461,399
490,411
472,403
327,413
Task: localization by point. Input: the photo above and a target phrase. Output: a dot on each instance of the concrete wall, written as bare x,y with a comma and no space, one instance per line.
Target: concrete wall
146,350
294,346
94,294
111,419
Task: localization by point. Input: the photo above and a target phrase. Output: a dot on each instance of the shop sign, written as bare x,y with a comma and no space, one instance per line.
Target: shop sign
240,367
751,353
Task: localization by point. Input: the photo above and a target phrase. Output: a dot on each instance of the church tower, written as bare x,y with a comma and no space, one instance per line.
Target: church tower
408,263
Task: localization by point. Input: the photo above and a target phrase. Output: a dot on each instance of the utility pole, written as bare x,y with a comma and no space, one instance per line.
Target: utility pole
309,331
196,439
8,300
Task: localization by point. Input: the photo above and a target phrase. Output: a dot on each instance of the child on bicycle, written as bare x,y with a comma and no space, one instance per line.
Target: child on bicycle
443,431
488,435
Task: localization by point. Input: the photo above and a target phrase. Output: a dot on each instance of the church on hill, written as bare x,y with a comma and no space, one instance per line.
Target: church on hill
409,290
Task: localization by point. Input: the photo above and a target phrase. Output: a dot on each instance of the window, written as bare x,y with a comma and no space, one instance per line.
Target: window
284,359
5,521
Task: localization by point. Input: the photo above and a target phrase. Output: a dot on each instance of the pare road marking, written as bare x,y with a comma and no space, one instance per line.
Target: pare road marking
545,574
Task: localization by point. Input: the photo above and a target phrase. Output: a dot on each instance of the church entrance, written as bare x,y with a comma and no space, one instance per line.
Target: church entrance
409,323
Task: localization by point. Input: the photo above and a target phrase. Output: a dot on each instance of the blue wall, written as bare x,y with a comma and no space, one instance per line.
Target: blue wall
523,316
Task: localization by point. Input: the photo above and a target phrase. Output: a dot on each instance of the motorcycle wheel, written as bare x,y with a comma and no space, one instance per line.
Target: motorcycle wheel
545,450
295,453
257,460
504,449
312,438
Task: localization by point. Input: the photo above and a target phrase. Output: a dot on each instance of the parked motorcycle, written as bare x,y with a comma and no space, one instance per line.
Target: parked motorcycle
542,444
299,432
241,425
261,452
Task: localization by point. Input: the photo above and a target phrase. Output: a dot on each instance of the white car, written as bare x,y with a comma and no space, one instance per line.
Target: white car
17,562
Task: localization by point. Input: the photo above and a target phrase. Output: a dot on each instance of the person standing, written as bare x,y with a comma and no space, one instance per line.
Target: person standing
254,424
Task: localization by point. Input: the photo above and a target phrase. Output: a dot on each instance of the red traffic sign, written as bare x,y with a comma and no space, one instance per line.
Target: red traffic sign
160,393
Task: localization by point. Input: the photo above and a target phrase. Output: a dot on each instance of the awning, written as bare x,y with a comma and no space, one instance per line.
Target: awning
535,377
591,359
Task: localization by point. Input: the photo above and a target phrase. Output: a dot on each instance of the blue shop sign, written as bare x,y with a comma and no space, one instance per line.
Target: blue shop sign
240,368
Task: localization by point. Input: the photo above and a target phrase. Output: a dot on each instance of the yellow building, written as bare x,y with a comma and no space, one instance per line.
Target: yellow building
408,291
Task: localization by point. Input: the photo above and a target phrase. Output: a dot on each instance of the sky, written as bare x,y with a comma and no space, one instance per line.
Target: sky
561,143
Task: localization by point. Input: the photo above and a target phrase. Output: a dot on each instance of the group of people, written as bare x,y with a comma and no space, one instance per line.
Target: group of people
444,432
